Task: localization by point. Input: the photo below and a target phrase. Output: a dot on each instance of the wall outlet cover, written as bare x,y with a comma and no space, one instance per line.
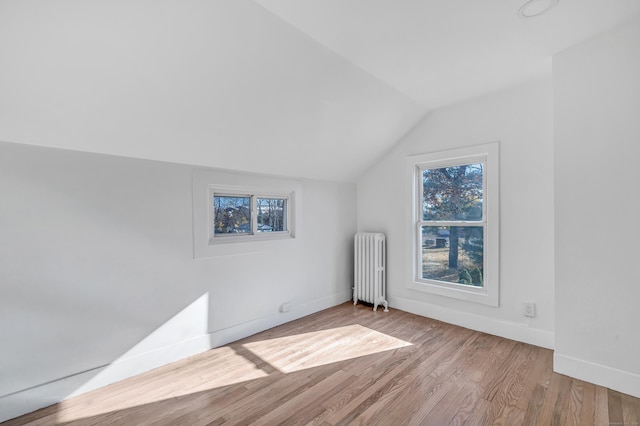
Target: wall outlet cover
529,309
285,307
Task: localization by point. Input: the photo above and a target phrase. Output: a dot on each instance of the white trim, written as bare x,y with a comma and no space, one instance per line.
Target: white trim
602,375
204,179
450,158
489,155
521,332
34,398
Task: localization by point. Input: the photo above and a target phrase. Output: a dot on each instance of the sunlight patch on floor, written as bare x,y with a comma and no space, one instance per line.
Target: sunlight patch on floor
221,367
293,353
228,365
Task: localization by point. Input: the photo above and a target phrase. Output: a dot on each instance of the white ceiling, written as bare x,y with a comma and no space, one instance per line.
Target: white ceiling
442,51
310,88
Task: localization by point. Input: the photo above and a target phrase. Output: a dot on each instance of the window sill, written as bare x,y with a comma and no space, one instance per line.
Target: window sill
240,239
471,294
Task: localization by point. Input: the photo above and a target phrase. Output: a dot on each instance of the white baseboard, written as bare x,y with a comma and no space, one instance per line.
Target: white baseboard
231,334
612,378
507,329
34,398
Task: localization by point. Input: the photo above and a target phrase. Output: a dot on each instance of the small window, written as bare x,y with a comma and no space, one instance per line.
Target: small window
238,213
456,223
248,215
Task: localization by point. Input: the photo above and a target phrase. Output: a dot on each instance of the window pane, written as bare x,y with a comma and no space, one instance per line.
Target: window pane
452,193
232,215
453,254
272,213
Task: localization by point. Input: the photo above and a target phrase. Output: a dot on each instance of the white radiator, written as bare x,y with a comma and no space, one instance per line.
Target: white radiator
369,275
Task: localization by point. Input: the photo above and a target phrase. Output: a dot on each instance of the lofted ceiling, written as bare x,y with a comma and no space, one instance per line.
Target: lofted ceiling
309,88
440,52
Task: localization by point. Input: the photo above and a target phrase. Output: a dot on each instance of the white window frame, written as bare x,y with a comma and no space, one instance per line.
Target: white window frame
206,182
253,235
488,155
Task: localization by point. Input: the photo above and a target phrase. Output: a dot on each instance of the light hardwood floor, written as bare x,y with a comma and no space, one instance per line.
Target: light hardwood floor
350,365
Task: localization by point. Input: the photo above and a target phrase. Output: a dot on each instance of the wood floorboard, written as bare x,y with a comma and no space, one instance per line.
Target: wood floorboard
551,401
615,407
628,410
349,365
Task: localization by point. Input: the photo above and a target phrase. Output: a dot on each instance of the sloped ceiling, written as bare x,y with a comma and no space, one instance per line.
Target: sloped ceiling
309,88
440,52
215,83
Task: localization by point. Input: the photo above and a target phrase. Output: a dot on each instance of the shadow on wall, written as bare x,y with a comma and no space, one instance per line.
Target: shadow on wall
96,276
184,334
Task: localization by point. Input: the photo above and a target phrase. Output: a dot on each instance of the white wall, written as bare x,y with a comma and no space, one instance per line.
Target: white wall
98,280
521,120
597,136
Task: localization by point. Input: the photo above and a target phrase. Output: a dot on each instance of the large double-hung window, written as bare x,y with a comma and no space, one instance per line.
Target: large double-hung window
456,223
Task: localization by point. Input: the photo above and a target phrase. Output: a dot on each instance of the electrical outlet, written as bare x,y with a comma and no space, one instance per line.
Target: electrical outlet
285,307
529,309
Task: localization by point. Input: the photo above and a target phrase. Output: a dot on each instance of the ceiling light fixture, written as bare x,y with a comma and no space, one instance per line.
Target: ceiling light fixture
533,8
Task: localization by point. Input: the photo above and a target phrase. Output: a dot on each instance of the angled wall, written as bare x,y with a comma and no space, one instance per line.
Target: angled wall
99,282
